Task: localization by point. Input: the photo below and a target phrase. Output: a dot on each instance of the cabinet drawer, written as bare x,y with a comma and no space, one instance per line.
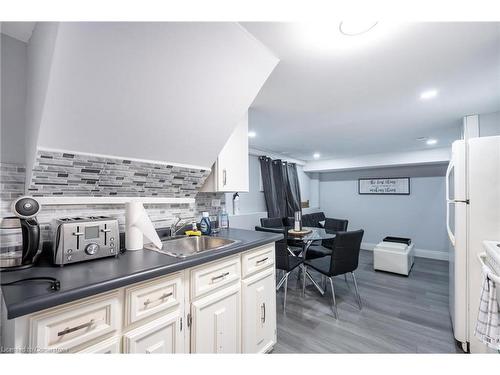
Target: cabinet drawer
257,260
210,277
151,297
109,346
67,327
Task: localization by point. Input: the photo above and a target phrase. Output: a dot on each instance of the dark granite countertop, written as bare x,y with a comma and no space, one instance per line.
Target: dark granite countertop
86,279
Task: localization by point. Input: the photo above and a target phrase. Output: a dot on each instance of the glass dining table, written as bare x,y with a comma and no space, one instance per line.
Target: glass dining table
307,238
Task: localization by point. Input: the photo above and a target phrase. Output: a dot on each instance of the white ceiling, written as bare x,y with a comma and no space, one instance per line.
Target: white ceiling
18,30
360,95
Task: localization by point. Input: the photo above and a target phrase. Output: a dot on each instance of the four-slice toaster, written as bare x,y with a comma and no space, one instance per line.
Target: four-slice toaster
77,239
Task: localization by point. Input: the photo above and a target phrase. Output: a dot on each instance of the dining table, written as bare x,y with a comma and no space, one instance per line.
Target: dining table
307,237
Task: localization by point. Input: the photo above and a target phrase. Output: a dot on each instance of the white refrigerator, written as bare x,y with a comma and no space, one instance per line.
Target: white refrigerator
473,215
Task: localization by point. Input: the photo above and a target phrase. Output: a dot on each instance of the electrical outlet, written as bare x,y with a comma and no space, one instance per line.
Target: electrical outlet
215,202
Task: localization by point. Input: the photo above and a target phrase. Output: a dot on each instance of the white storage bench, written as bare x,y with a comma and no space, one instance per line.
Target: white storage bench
393,257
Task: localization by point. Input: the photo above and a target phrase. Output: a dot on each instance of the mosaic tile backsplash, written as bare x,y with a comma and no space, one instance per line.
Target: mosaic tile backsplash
73,174
12,184
162,215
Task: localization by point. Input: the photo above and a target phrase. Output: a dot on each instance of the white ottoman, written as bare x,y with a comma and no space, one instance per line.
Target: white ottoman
393,257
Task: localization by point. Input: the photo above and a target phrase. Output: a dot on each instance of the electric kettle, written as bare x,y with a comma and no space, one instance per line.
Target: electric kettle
20,236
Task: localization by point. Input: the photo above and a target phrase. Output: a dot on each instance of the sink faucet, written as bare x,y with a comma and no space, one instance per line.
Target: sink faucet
178,225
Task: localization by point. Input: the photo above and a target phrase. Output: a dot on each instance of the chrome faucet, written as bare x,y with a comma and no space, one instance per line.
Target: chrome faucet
178,225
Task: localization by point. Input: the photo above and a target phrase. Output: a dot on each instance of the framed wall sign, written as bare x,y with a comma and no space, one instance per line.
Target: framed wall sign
384,186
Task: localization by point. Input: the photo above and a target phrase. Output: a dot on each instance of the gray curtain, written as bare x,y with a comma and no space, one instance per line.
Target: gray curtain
281,187
293,189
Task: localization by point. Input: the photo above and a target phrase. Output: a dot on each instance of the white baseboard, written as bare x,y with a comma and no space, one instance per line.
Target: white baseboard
421,253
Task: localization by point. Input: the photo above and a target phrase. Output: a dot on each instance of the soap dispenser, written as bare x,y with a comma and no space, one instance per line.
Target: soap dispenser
205,224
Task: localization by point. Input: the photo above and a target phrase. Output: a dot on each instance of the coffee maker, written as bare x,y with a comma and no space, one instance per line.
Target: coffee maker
20,236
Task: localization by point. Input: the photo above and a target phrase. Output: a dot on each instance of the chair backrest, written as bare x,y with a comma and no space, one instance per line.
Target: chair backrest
288,222
281,247
345,252
312,220
272,222
282,254
337,225
318,216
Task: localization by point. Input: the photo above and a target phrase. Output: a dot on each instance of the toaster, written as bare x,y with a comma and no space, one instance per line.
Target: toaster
77,239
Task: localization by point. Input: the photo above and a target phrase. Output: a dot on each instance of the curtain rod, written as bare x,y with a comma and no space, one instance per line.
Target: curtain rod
274,155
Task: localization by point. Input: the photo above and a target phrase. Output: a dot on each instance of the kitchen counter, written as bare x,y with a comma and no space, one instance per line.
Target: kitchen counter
86,279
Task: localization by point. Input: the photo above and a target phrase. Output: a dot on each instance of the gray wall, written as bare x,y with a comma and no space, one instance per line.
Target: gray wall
13,90
254,200
253,204
489,124
420,216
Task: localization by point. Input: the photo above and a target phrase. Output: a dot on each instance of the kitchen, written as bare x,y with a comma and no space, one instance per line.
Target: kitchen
122,142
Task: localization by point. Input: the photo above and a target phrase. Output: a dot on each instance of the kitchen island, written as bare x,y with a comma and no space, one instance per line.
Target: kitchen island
145,301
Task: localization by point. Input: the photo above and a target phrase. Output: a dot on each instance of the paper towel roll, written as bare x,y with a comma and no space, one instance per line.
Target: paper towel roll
137,226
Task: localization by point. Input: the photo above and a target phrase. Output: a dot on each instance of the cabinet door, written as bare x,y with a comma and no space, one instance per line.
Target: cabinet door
109,346
259,312
163,335
216,323
232,163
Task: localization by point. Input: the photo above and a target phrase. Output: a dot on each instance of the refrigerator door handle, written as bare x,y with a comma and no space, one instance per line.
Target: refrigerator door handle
449,201
451,165
448,229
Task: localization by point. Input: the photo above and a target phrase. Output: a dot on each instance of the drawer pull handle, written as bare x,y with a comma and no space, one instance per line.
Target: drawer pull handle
221,276
263,316
262,260
77,328
166,295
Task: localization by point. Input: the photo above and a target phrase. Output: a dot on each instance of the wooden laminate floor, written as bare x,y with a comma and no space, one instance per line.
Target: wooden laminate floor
400,314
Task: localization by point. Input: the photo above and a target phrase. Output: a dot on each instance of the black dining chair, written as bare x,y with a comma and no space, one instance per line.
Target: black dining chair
334,225
343,260
286,261
271,222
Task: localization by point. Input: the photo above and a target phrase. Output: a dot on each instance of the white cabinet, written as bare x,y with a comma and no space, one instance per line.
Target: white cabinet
109,346
163,335
215,326
75,324
259,312
230,171
225,306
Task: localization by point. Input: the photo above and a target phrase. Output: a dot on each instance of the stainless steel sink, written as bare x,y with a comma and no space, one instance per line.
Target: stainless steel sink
183,246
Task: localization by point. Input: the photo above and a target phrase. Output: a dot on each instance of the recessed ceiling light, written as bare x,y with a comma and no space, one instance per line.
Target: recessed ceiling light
316,155
431,141
429,94
355,28
252,134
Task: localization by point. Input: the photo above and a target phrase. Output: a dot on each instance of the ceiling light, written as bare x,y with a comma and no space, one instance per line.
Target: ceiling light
355,28
316,155
252,134
431,141
335,37
429,94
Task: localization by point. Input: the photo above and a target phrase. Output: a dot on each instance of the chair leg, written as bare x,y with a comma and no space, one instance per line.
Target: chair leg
280,283
334,303
357,291
286,288
323,277
304,277
345,278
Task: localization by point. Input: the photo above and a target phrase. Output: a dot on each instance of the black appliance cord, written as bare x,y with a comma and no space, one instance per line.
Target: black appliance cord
55,284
